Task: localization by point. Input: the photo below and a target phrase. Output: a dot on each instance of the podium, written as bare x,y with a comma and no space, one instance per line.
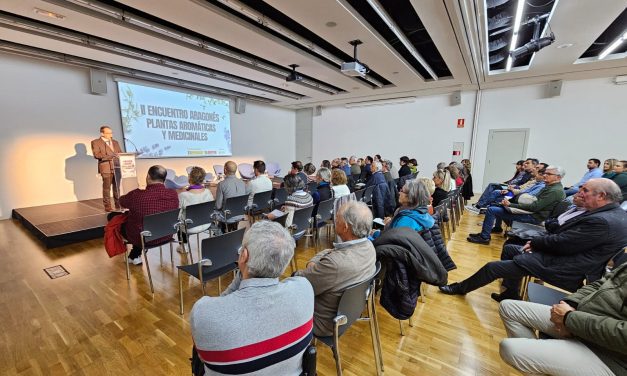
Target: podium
125,171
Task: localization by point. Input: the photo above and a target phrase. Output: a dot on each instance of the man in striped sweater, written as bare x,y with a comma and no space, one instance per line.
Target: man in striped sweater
258,325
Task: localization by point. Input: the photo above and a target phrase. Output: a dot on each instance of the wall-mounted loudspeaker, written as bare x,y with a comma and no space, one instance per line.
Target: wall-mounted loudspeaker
317,111
98,81
240,105
456,98
554,89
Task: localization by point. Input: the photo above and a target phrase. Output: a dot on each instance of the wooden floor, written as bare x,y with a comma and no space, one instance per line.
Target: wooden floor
92,322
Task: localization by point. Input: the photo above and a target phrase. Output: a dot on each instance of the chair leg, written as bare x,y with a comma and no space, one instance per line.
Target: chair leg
152,289
411,321
374,333
172,255
219,285
161,255
423,292
180,291
128,271
400,325
338,360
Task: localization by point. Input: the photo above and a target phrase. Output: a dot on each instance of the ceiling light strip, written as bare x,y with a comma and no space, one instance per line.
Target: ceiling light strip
381,102
517,20
147,25
94,42
613,46
278,28
34,52
378,8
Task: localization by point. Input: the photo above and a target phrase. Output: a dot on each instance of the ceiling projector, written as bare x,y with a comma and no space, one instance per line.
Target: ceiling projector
354,69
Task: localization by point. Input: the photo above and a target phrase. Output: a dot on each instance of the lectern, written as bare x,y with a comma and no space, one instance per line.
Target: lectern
125,172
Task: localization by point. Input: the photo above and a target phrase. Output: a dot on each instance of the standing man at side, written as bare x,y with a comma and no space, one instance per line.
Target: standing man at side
105,149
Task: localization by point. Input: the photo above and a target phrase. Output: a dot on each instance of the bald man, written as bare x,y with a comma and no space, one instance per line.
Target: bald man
231,186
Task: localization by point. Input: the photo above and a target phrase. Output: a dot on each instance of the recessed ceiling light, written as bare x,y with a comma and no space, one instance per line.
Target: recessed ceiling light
331,24
565,45
48,13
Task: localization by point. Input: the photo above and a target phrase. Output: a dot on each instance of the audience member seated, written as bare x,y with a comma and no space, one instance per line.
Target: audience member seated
413,213
310,171
532,188
467,188
323,190
231,186
355,166
156,198
441,179
195,193
366,170
345,166
325,163
338,184
297,198
430,185
393,169
524,175
413,165
594,171
454,171
381,195
614,170
351,261
536,211
261,182
258,325
578,249
297,169
588,328
404,170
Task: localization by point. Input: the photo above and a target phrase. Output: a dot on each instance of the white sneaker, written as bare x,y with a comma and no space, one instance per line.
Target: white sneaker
472,209
135,261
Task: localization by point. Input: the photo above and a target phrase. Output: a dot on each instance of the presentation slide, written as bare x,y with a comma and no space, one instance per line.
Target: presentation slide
159,123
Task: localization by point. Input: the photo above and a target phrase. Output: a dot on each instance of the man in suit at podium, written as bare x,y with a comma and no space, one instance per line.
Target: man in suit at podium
105,149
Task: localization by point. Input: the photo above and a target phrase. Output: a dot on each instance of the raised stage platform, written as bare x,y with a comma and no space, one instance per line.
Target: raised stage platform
60,224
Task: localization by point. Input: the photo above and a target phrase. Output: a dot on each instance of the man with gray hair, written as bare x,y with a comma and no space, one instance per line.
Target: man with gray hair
272,320
331,271
578,249
534,212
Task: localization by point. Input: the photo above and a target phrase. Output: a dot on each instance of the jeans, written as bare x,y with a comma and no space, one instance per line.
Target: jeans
571,191
511,273
495,215
485,198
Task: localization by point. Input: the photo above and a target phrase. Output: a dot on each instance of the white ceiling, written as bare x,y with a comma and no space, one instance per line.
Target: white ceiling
457,28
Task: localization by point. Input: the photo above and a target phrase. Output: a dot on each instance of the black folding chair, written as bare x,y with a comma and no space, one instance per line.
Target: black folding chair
233,210
279,195
218,255
359,194
262,201
156,226
196,217
367,198
324,216
301,223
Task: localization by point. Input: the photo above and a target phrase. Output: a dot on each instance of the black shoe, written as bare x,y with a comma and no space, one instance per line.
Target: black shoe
496,230
478,240
452,289
504,295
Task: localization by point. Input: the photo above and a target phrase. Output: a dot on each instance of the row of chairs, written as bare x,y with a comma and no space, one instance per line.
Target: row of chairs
245,170
449,213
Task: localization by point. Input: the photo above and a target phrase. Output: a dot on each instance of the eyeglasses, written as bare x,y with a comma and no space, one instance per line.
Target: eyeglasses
550,173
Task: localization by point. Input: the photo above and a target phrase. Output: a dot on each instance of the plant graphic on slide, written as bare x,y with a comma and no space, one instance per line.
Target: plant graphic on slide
130,110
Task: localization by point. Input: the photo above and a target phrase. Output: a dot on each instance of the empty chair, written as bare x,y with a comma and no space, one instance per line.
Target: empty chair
208,177
279,195
354,299
301,223
233,210
246,171
158,226
262,201
367,197
218,255
324,215
219,170
273,169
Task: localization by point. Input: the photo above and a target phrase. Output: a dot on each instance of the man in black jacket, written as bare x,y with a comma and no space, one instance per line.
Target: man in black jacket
578,250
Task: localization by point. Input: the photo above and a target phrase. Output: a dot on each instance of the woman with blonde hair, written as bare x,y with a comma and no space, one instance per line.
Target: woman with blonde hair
441,179
338,183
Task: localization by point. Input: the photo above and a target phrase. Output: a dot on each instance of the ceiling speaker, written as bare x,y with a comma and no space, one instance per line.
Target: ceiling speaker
317,111
240,105
98,81
554,89
456,98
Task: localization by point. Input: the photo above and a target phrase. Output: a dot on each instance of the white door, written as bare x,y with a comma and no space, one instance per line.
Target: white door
505,148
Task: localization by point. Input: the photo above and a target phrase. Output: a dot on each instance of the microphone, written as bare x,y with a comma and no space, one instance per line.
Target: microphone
131,142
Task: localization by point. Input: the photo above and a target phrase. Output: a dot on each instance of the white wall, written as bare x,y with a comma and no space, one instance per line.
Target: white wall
425,130
49,118
588,120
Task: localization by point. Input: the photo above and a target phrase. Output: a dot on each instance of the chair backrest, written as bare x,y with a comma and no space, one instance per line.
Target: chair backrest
161,224
367,198
279,195
218,169
359,194
273,169
262,200
354,299
236,205
189,169
281,220
223,250
301,220
199,214
208,177
246,170
325,210
171,174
